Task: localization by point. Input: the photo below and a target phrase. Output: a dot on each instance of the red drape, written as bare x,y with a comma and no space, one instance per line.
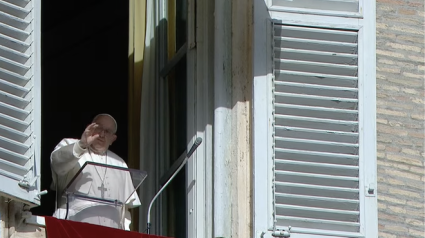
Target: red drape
58,228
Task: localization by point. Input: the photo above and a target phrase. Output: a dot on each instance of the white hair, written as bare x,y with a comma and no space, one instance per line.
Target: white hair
108,115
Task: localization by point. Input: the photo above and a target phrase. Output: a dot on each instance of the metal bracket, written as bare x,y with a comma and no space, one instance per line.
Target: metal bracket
192,45
370,190
283,233
24,183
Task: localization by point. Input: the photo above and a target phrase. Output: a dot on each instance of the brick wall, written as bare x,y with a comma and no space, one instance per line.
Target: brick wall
400,117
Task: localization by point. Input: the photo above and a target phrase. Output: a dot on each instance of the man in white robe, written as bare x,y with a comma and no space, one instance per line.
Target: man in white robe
67,159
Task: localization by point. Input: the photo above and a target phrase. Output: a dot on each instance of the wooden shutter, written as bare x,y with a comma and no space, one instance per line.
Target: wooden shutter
326,5
316,138
19,100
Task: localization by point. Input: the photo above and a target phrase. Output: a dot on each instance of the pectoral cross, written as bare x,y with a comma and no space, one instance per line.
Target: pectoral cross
102,190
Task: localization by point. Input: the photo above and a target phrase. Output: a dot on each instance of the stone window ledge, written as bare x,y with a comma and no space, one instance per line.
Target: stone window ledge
36,220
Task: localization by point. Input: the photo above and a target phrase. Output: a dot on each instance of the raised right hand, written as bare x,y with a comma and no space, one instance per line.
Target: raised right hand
89,136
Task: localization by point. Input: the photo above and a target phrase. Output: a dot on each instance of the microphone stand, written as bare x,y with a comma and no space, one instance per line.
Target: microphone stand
195,145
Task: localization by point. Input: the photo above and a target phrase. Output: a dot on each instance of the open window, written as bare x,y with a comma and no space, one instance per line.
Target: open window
167,112
81,56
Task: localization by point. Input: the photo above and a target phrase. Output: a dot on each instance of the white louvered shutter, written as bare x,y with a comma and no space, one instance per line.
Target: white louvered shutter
19,100
326,5
316,139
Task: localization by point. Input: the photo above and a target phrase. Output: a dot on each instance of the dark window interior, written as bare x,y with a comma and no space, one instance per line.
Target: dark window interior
84,72
175,204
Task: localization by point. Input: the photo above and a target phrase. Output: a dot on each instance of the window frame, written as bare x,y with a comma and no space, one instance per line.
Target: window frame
262,115
37,91
198,168
166,63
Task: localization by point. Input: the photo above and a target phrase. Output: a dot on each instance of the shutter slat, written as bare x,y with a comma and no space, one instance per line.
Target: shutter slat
15,10
316,56
323,202
315,33
324,5
19,23
13,89
317,213
316,139
12,170
14,44
14,32
20,3
314,156
315,45
316,123
313,134
14,55
320,224
318,90
317,190
13,111
316,86
317,179
12,77
317,145
315,67
314,78
18,102
13,134
313,100
13,157
14,146
13,122
312,167
10,65
318,112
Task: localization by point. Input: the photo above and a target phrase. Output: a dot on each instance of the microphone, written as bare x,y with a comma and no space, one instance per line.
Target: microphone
195,145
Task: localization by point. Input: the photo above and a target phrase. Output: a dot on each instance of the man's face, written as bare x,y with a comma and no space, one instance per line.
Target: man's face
106,131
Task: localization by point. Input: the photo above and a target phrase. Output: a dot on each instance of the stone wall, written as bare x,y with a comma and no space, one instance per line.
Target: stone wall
400,117
12,221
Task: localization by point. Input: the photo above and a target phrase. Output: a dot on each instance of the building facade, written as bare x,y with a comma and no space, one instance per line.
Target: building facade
350,148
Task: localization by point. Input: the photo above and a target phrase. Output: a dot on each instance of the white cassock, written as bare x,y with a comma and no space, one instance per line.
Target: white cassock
66,160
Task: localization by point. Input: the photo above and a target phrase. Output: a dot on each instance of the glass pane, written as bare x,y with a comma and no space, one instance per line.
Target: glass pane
174,217
177,109
177,119
97,193
177,25
122,183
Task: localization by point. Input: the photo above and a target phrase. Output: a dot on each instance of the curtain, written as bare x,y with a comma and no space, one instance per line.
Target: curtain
148,124
136,48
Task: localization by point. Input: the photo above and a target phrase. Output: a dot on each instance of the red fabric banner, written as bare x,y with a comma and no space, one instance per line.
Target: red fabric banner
58,228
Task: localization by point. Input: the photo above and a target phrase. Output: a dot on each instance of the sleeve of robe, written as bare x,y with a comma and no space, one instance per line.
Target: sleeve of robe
132,202
64,157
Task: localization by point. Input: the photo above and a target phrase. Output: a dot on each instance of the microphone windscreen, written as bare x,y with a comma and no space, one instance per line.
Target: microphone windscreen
195,145
198,141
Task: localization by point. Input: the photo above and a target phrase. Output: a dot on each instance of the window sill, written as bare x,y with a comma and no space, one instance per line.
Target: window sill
36,220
